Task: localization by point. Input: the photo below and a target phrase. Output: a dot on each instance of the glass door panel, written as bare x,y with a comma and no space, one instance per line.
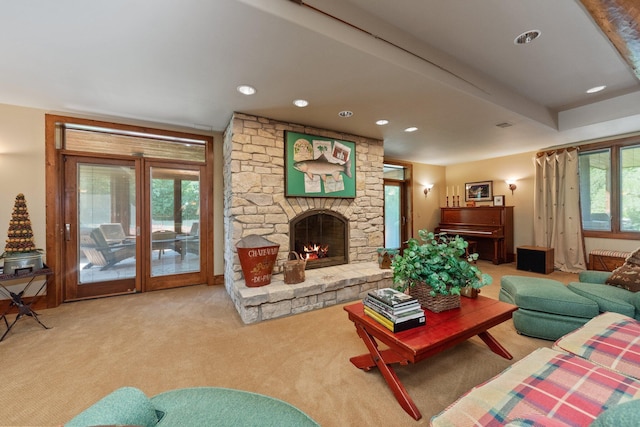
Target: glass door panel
392,215
100,228
174,221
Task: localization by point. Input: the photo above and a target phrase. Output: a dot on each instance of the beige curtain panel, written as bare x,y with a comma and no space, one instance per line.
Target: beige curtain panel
557,220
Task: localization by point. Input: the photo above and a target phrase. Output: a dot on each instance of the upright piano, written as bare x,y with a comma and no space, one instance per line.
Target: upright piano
490,226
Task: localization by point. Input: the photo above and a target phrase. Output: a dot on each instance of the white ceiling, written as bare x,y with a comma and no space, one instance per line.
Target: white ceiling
449,67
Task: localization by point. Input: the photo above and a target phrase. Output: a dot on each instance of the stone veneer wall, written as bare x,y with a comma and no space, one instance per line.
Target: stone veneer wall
254,200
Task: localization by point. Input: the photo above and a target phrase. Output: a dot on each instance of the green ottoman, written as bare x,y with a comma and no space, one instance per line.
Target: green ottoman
547,309
191,407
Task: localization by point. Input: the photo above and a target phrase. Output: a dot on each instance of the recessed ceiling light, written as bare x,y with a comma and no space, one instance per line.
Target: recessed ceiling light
596,89
246,89
382,122
411,129
527,37
345,113
301,103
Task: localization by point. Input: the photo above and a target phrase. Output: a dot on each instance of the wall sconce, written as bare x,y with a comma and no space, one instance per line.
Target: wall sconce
512,185
426,190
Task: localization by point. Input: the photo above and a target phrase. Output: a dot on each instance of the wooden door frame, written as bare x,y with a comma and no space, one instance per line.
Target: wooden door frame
55,232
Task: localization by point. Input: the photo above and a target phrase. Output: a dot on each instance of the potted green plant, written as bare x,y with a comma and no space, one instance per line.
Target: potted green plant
436,268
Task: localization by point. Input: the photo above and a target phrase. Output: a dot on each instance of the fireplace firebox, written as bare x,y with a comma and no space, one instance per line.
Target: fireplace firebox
321,237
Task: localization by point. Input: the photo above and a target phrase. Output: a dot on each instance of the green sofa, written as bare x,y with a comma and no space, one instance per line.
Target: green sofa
200,406
609,298
548,309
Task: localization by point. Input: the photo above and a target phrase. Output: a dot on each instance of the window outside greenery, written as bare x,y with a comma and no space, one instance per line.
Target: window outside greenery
164,214
595,190
610,201
392,214
630,189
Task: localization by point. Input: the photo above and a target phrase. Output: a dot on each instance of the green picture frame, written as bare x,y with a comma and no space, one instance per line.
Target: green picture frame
316,166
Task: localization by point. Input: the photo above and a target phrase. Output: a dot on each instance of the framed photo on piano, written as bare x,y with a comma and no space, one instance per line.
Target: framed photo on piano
479,191
498,200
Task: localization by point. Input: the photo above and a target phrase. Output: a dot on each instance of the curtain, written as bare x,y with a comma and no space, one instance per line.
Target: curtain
556,204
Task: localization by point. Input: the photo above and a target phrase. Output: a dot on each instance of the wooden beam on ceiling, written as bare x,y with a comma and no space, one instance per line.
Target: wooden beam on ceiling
620,21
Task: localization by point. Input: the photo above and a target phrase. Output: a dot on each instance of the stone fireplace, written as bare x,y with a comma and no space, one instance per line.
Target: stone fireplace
321,237
255,203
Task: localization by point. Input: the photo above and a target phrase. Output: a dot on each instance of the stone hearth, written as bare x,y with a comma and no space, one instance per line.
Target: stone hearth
323,287
255,203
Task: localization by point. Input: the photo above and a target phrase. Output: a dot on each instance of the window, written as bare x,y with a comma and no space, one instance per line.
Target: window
595,190
92,139
610,189
630,189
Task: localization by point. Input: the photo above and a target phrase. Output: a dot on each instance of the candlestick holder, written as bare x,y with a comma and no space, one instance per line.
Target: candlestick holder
457,201
447,201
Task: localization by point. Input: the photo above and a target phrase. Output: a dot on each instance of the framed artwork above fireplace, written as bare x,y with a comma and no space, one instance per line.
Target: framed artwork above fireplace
317,166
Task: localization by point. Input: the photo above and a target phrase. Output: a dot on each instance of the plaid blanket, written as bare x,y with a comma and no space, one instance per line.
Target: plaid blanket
565,388
611,340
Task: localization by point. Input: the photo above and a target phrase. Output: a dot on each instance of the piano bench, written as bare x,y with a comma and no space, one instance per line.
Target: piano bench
547,309
472,248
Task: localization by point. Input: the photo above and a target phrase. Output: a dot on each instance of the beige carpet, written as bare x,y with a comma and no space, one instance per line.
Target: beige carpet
193,336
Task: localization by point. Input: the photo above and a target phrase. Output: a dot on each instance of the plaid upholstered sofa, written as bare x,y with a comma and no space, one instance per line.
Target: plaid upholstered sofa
590,377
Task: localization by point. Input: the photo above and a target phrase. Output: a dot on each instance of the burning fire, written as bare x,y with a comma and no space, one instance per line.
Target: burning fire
315,251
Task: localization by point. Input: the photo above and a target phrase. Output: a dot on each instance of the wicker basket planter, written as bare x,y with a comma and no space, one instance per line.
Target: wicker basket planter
435,304
437,264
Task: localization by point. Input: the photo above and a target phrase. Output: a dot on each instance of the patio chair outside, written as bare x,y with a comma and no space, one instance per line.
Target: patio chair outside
162,240
191,241
101,254
113,233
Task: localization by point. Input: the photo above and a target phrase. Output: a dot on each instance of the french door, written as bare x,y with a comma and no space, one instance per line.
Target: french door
172,226
397,211
130,226
394,216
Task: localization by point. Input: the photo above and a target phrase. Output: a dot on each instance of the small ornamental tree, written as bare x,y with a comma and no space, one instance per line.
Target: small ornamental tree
20,233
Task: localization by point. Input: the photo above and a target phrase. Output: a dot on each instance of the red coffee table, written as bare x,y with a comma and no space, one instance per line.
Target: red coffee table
442,331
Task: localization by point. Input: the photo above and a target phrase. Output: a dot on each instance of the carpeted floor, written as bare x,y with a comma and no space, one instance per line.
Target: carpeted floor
193,336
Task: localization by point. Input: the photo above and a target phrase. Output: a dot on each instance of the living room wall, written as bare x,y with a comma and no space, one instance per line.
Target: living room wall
519,167
22,167
426,210
22,159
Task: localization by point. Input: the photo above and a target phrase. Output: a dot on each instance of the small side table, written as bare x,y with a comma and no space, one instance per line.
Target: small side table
24,308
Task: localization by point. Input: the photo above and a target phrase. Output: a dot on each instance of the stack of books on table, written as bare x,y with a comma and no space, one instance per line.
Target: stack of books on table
393,309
